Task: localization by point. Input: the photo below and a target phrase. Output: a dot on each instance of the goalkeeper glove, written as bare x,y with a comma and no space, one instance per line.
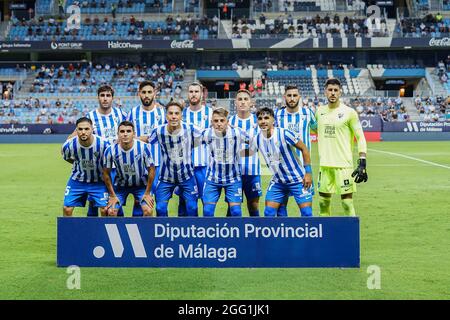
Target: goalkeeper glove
360,173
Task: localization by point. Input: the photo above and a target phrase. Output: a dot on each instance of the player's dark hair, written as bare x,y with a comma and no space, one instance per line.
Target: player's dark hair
333,81
83,119
105,88
174,103
290,87
221,112
146,83
125,123
265,110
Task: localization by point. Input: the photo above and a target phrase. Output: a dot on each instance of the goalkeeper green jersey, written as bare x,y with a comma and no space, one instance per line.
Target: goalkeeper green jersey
336,129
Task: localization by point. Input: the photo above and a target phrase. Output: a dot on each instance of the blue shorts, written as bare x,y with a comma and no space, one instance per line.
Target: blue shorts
123,193
188,190
280,192
78,192
233,192
251,185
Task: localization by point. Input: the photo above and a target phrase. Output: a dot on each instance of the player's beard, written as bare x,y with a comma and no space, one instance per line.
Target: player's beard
290,107
192,103
147,104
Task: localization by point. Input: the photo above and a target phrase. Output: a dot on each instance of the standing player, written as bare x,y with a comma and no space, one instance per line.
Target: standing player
85,152
146,117
250,166
135,171
106,118
291,177
199,115
177,141
337,126
297,119
224,170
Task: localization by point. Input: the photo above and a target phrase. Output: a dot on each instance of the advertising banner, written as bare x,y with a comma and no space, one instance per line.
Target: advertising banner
209,242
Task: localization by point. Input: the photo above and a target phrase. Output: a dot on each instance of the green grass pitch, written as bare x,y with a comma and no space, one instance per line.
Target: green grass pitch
405,230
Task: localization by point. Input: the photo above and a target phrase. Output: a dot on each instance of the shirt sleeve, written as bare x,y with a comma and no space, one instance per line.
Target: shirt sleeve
355,127
291,138
107,158
153,137
313,123
148,157
66,153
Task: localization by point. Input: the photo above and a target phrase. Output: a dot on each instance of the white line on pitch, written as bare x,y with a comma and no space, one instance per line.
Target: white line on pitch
412,158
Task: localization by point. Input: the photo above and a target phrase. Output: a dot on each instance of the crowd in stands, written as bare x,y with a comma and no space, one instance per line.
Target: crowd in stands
306,27
443,70
432,109
390,109
122,6
76,79
104,29
430,25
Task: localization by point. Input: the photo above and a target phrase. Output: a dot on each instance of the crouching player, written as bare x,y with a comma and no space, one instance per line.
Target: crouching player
277,146
135,171
224,169
85,152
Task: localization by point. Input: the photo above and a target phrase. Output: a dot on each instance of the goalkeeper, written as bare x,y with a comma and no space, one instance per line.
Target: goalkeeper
337,126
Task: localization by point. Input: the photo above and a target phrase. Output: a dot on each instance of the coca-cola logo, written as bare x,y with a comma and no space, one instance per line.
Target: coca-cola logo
444,42
186,44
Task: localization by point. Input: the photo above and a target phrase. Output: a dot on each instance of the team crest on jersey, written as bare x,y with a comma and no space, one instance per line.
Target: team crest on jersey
96,154
340,115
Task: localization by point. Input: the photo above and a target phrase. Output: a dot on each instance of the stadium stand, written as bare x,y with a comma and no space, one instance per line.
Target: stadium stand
104,29
307,27
78,81
123,6
430,25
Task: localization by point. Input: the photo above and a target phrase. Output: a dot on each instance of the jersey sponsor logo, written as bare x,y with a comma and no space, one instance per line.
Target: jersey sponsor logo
330,131
129,169
87,164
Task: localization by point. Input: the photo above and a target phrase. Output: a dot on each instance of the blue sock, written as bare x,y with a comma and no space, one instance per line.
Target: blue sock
161,208
270,212
236,211
306,212
191,209
254,213
208,210
92,211
137,210
282,211
181,207
120,212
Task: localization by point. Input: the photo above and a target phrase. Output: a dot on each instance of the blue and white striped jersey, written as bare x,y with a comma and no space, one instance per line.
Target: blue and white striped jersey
176,163
224,164
106,126
144,122
279,153
203,119
299,122
88,161
131,166
249,165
